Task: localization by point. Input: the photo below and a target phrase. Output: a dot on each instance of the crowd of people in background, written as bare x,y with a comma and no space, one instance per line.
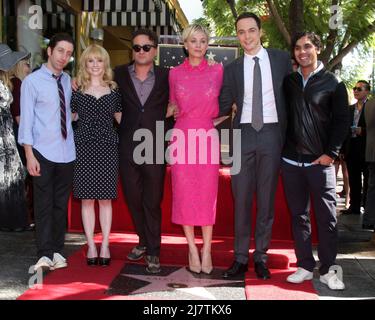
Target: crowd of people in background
292,113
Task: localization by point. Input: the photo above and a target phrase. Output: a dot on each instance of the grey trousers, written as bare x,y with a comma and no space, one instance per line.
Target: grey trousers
301,184
369,216
260,166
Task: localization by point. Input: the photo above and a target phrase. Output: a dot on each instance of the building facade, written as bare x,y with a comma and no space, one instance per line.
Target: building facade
28,24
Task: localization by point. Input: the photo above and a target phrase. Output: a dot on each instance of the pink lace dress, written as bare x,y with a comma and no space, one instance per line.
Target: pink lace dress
194,152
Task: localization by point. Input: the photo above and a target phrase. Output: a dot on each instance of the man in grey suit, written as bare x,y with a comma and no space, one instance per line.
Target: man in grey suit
369,216
254,83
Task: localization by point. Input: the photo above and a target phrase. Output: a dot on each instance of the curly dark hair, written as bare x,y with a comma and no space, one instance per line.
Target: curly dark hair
312,36
147,32
60,37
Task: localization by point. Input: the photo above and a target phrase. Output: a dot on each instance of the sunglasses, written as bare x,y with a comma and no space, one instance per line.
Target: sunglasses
358,89
145,48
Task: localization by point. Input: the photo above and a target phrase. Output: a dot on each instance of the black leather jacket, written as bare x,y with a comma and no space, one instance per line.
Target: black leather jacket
318,116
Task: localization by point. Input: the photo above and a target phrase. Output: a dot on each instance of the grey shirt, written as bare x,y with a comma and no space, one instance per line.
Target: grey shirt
143,88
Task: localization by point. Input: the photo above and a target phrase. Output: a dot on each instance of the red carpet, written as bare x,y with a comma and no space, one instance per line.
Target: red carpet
80,282
224,217
277,288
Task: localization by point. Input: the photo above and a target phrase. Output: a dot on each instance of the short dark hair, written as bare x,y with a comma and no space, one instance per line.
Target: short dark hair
366,83
146,32
60,37
246,15
312,36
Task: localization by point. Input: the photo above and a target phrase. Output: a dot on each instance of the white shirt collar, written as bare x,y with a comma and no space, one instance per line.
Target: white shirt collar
304,81
320,67
261,54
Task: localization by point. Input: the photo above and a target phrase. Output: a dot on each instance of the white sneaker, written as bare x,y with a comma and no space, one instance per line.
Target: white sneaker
44,263
59,261
333,278
300,275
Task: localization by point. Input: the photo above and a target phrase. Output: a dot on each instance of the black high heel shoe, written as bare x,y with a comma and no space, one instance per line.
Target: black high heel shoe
92,261
104,261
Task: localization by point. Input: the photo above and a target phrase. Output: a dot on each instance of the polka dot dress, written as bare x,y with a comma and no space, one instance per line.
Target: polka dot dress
97,163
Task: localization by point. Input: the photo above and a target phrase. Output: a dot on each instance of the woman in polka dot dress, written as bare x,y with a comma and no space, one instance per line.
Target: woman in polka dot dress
96,103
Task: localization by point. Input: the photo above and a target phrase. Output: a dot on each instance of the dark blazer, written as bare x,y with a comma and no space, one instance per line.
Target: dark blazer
134,115
356,147
233,87
370,130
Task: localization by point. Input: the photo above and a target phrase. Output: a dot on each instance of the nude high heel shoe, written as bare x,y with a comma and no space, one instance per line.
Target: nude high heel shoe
206,262
194,263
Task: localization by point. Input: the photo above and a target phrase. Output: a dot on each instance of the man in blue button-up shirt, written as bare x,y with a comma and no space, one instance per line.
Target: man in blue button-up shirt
46,133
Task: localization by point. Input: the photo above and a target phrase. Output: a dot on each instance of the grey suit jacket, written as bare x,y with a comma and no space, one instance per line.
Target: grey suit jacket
233,89
370,130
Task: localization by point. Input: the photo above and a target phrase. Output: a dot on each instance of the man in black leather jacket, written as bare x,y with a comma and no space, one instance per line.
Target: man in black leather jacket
317,126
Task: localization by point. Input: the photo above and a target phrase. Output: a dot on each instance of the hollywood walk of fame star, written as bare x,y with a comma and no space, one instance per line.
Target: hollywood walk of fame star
180,280
211,56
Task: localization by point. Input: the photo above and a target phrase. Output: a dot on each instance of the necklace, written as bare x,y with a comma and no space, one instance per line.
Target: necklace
98,90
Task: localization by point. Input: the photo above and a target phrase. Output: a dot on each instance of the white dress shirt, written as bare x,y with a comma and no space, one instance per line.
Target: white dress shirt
269,104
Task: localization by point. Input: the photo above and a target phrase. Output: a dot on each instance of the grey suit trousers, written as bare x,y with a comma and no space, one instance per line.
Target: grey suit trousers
260,166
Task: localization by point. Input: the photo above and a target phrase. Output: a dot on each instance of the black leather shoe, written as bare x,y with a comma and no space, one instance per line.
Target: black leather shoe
30,227
235,270
368,227
262,271
349,211
104,261
92,261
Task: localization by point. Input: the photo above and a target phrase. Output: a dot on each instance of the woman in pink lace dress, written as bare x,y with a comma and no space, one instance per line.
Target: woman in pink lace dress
194,149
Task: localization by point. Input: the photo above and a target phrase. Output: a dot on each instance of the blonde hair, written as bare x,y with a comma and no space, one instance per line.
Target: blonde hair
18,70
4,78
97,52
193,28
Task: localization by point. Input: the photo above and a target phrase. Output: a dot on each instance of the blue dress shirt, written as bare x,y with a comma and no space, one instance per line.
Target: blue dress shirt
40,124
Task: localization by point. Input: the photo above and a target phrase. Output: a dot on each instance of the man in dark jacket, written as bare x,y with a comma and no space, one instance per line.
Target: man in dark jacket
355,149
145,94
317,126
254,83
369,215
